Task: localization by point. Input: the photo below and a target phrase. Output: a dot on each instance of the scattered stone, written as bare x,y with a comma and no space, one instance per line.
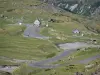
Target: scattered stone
89,66
47,25
83,49
81,74
96,72
52,20
2,16
77,73
94,40
92,73
82,34
20,23
30,5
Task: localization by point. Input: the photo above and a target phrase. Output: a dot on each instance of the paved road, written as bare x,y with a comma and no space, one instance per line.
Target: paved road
56,58
74,45
85,61
44,66
70,48
44,63
33,31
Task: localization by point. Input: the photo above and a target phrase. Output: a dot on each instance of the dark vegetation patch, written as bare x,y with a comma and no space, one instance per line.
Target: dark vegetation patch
35,71
97,4
10,10
5,73
93,27
51,55
47,69
58,14
55,20
1,7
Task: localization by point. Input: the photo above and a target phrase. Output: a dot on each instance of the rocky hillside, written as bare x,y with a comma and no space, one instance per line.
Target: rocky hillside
87,8
84,7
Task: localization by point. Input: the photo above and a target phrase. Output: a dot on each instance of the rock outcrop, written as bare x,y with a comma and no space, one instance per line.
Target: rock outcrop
83,7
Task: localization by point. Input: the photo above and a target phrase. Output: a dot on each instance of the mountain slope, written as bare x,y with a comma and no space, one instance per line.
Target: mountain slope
87,8
59,25
84,7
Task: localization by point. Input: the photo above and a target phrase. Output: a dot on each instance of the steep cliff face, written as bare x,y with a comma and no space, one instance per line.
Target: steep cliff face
83,7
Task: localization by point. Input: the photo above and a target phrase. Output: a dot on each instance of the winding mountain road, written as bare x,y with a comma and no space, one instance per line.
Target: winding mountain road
85,61
69,48
33,31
